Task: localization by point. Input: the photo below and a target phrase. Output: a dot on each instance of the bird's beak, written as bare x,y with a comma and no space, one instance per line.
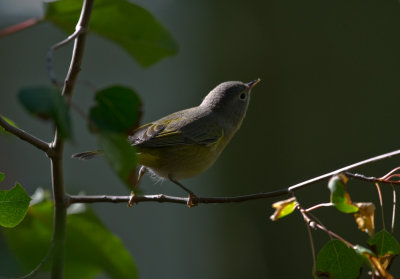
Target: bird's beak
251,84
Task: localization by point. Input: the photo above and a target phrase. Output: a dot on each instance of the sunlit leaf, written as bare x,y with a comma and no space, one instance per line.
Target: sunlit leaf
283,208
13,206
120,155
336,260
47,103
365,217
91,248
127,24
339,197
117,110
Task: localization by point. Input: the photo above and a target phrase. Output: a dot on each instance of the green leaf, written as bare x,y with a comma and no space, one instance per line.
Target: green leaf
14,204
384,243
91,248
9,121
283,208
120,155
117,110
339,197
2,176
47,103
336,260
127,24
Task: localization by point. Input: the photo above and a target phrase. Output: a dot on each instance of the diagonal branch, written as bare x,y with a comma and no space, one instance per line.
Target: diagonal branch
161,198
25,136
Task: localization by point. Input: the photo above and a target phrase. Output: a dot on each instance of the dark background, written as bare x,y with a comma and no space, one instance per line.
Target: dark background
329,97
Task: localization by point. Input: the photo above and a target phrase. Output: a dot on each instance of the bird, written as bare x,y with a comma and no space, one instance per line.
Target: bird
186,143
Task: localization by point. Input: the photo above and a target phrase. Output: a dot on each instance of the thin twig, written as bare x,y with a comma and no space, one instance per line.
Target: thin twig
310,238
318,206
50,69
314,224
20,26
161,198
25,136
347,168
394,208
378,188
371,178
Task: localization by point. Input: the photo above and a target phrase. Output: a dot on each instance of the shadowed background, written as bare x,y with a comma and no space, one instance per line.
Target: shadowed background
329,97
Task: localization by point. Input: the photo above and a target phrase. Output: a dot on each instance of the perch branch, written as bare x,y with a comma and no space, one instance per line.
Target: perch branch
161,198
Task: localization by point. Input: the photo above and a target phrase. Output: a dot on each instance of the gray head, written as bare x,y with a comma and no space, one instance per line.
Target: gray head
229,94
230,98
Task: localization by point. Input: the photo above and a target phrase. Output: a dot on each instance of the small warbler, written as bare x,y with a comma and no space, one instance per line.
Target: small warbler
186,143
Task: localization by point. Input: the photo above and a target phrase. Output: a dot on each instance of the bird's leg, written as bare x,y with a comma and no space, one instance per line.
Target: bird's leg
142,171
192,195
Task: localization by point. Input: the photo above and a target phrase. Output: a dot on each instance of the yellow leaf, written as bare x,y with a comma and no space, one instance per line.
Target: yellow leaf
283,208
365,217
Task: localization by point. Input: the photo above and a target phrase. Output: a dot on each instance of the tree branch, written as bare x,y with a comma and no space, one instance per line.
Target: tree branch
25,136
161,198
344,169
60,204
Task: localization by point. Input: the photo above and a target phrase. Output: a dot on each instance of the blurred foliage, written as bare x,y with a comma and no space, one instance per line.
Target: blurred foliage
47,103
90,247
128,25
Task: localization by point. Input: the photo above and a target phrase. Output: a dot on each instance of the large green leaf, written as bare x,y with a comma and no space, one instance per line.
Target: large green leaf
117,110
336,260
127,24
2,176
120,155
47,103
384,243
90,247
13,205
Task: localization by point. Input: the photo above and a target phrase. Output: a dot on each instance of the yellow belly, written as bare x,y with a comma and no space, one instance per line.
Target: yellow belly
180,162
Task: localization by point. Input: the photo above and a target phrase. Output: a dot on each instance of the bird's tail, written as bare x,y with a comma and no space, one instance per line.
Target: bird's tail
87,155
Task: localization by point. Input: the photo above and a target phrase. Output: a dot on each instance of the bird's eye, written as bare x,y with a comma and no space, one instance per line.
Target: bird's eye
243,96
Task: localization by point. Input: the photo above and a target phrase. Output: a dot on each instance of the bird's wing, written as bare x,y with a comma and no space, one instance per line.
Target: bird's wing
172,132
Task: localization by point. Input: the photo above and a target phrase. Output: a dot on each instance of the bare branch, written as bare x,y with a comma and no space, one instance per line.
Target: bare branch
344,169
263,195
20,26
60,204
161,198
70,38
25,136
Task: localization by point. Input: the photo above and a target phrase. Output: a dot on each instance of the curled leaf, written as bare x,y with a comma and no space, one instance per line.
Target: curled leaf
339,196
365,217
283,208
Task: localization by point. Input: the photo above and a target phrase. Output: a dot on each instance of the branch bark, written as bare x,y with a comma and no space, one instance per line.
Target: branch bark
161,198
60,203
25,136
